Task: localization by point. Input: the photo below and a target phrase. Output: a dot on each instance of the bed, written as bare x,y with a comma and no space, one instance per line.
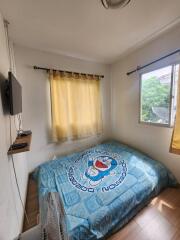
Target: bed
102,188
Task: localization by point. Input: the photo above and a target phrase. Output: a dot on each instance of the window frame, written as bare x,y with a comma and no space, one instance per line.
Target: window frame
171,98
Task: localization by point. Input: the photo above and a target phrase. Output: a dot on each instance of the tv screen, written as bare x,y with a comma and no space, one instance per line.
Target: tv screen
15,95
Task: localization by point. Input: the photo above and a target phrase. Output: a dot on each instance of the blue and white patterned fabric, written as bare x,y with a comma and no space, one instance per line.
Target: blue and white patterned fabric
102,188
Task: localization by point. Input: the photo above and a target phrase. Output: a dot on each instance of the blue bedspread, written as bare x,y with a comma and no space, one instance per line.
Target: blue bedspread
102,188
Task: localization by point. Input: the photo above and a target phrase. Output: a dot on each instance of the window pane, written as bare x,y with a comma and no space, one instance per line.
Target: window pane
155,96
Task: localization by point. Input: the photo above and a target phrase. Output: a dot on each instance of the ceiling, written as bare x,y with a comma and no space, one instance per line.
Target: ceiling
84,29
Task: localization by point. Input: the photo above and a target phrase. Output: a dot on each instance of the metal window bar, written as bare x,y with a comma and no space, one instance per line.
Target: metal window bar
49,69
155,61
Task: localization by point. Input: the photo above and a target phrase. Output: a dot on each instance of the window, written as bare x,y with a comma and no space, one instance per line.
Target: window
75,106
158,96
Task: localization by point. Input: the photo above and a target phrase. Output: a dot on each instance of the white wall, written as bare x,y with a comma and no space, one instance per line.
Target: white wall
152,140
36,100
11,212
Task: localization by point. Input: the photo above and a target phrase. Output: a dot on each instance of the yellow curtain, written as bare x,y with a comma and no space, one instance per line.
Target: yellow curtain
75,105
175,141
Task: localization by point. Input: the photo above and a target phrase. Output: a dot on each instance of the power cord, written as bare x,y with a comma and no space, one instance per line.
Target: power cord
23,206
20,122
14,170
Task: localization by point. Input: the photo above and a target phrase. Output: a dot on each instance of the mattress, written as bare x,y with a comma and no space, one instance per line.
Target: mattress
102,188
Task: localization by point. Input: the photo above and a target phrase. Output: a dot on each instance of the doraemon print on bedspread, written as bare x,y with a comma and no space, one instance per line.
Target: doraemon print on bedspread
102,188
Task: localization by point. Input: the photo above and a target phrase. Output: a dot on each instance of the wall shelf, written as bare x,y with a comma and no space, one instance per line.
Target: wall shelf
21,139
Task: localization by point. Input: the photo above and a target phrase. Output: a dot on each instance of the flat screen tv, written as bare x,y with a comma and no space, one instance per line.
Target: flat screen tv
15,95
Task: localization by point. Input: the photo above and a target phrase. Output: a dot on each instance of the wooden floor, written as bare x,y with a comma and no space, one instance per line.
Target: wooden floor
160,220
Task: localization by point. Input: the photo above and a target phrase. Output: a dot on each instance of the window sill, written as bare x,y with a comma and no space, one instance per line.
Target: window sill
156,124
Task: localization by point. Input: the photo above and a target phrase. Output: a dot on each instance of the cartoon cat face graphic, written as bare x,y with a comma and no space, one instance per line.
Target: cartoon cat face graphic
102,164
99,168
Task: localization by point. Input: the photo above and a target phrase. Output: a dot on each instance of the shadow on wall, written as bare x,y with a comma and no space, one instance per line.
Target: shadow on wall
4,94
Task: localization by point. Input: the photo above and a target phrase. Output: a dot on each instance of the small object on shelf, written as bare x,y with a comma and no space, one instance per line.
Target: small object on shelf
18,146
24,133
23,141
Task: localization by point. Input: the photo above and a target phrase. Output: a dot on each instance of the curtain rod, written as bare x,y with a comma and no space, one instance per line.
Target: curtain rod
148,64
48,69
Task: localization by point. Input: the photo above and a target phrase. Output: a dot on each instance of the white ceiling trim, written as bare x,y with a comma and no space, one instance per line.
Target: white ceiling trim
150,38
